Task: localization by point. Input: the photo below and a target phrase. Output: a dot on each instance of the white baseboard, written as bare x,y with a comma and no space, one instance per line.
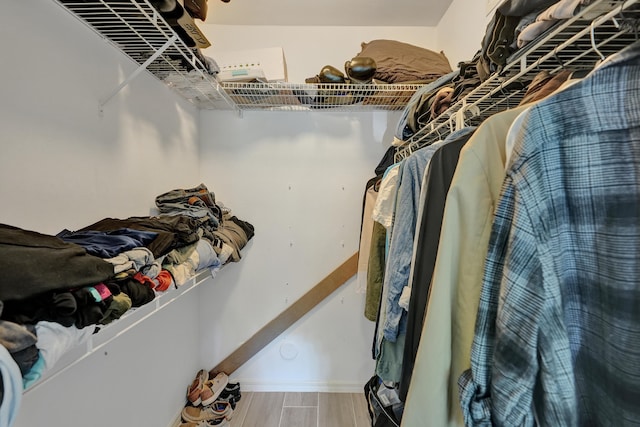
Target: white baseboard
176,421
311,386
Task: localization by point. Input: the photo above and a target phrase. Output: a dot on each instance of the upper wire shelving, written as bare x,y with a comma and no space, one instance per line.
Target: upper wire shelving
136,28
602,28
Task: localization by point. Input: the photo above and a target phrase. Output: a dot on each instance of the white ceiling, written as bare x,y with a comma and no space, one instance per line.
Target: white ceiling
328,12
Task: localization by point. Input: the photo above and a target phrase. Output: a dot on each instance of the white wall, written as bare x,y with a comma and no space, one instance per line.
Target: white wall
462,28
63,166
299,178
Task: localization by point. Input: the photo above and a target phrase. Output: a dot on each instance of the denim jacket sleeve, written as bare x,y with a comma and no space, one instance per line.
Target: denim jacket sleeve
401,247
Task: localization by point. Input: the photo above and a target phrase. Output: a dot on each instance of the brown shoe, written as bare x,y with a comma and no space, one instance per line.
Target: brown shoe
195,389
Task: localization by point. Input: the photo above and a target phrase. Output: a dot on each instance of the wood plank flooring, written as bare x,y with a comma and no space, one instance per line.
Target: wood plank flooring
294,409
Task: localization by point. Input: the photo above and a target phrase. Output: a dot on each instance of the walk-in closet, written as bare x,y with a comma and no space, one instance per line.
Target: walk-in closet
343,214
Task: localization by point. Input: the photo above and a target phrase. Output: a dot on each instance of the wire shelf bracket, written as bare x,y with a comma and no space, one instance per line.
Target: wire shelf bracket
103,101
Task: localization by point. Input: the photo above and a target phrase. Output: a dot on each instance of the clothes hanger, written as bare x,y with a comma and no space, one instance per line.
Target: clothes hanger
461,114
505,95
450,122
593,41
557,58
600,20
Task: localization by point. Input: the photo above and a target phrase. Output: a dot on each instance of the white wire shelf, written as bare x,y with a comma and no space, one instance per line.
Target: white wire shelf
138,30
322,96
613,24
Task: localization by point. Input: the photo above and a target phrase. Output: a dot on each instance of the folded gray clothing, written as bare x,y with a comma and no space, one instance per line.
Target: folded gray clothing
135,259
231,233
248,229
563,9
179,255
197,202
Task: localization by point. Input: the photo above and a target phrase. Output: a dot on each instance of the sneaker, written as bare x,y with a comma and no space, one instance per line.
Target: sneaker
231,393
215,387
232,401
195,389
220,410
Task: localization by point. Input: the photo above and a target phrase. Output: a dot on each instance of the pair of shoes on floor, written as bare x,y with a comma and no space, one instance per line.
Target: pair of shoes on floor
215,414
204,391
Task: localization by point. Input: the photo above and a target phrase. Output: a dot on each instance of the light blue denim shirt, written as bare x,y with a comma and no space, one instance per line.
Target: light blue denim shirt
401,248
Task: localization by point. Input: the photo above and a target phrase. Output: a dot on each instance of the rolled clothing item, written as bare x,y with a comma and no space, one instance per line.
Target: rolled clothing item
163,281
184,271
564,9
89,311
233,235
120,304
58,307
139,293
203,256
54,340
139,259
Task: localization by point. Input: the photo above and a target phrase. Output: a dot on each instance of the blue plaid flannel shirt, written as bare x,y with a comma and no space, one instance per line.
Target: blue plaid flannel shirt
557,339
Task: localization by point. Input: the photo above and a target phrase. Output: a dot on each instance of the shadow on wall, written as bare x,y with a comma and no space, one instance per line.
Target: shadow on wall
148,108
226,128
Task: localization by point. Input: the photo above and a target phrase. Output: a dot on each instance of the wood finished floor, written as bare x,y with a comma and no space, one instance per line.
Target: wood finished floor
293,409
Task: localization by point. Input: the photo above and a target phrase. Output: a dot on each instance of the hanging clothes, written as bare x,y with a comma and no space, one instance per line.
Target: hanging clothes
558,327
435,185
366,231
455,287
455,282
